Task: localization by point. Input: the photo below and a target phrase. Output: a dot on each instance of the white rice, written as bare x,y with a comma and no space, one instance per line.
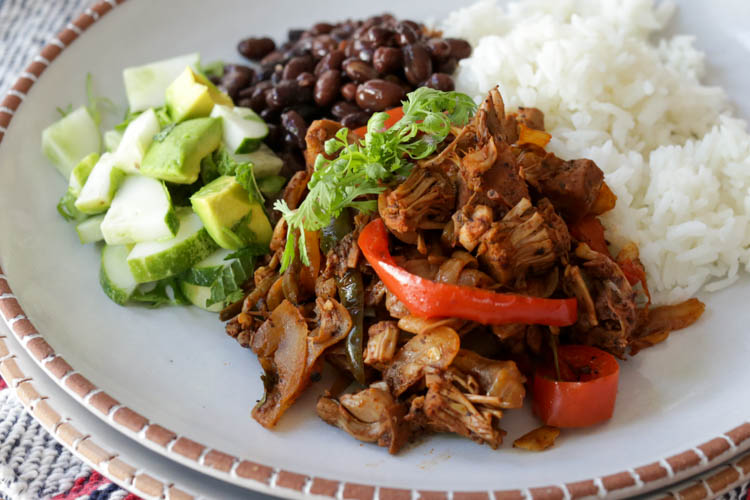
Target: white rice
671,151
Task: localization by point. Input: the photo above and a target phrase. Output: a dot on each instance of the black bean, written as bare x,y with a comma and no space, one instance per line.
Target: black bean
343,108
297,65
284,94
304,45
359,71
327,87
389,19
321,29
272,59
294,34
439,49
332,60
258,96
239,68
440,81
406,34
387,59
449,66
460,49
355,120
322,45
414,25
349,50
379,35
277,76
366,55
309,112
274,137
296,51
361,31
306,79
295,126
417,63
244,102
235,78
256,48
349,91
246,92
398,81
378,95
269,115
341,33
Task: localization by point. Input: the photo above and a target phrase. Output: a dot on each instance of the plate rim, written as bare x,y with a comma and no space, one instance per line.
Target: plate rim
264,478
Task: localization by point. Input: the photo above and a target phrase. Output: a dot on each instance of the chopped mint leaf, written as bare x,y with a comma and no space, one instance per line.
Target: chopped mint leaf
226,287
271,185
67,207
65,111
213,69
96,105
162,293
225,164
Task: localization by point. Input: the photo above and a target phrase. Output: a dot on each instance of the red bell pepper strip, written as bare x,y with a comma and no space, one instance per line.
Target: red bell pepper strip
585,396
589,230
429,299
394,115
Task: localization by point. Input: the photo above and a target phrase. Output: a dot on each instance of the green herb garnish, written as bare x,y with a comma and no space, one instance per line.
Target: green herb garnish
65,111
221,162
361,169
67,207
212,69
161,293
95,105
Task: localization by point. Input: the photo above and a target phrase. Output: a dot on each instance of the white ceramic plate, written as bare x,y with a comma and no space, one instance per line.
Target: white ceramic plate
172,379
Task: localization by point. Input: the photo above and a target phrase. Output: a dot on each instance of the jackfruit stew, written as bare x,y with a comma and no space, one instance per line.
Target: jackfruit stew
443,265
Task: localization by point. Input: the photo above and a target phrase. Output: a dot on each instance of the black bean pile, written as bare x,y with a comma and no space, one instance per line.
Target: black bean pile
345,71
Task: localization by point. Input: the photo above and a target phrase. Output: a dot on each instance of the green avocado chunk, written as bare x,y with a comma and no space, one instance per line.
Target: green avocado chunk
229,215
177,157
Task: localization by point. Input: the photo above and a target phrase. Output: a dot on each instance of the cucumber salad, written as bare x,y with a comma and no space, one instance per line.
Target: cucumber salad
171,194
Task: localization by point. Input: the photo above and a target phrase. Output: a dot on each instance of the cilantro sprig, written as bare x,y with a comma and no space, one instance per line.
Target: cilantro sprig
363,168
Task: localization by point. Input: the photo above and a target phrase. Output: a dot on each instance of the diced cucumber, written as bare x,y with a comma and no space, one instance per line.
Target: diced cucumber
81,172
264,160
208,270
140,211
146,85
199,296
115,277
90,231
155,260
99,189
243,129
112,139
136,140
271,185
68,140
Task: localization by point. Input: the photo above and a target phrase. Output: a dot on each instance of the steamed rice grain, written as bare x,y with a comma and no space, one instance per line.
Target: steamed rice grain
671,151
